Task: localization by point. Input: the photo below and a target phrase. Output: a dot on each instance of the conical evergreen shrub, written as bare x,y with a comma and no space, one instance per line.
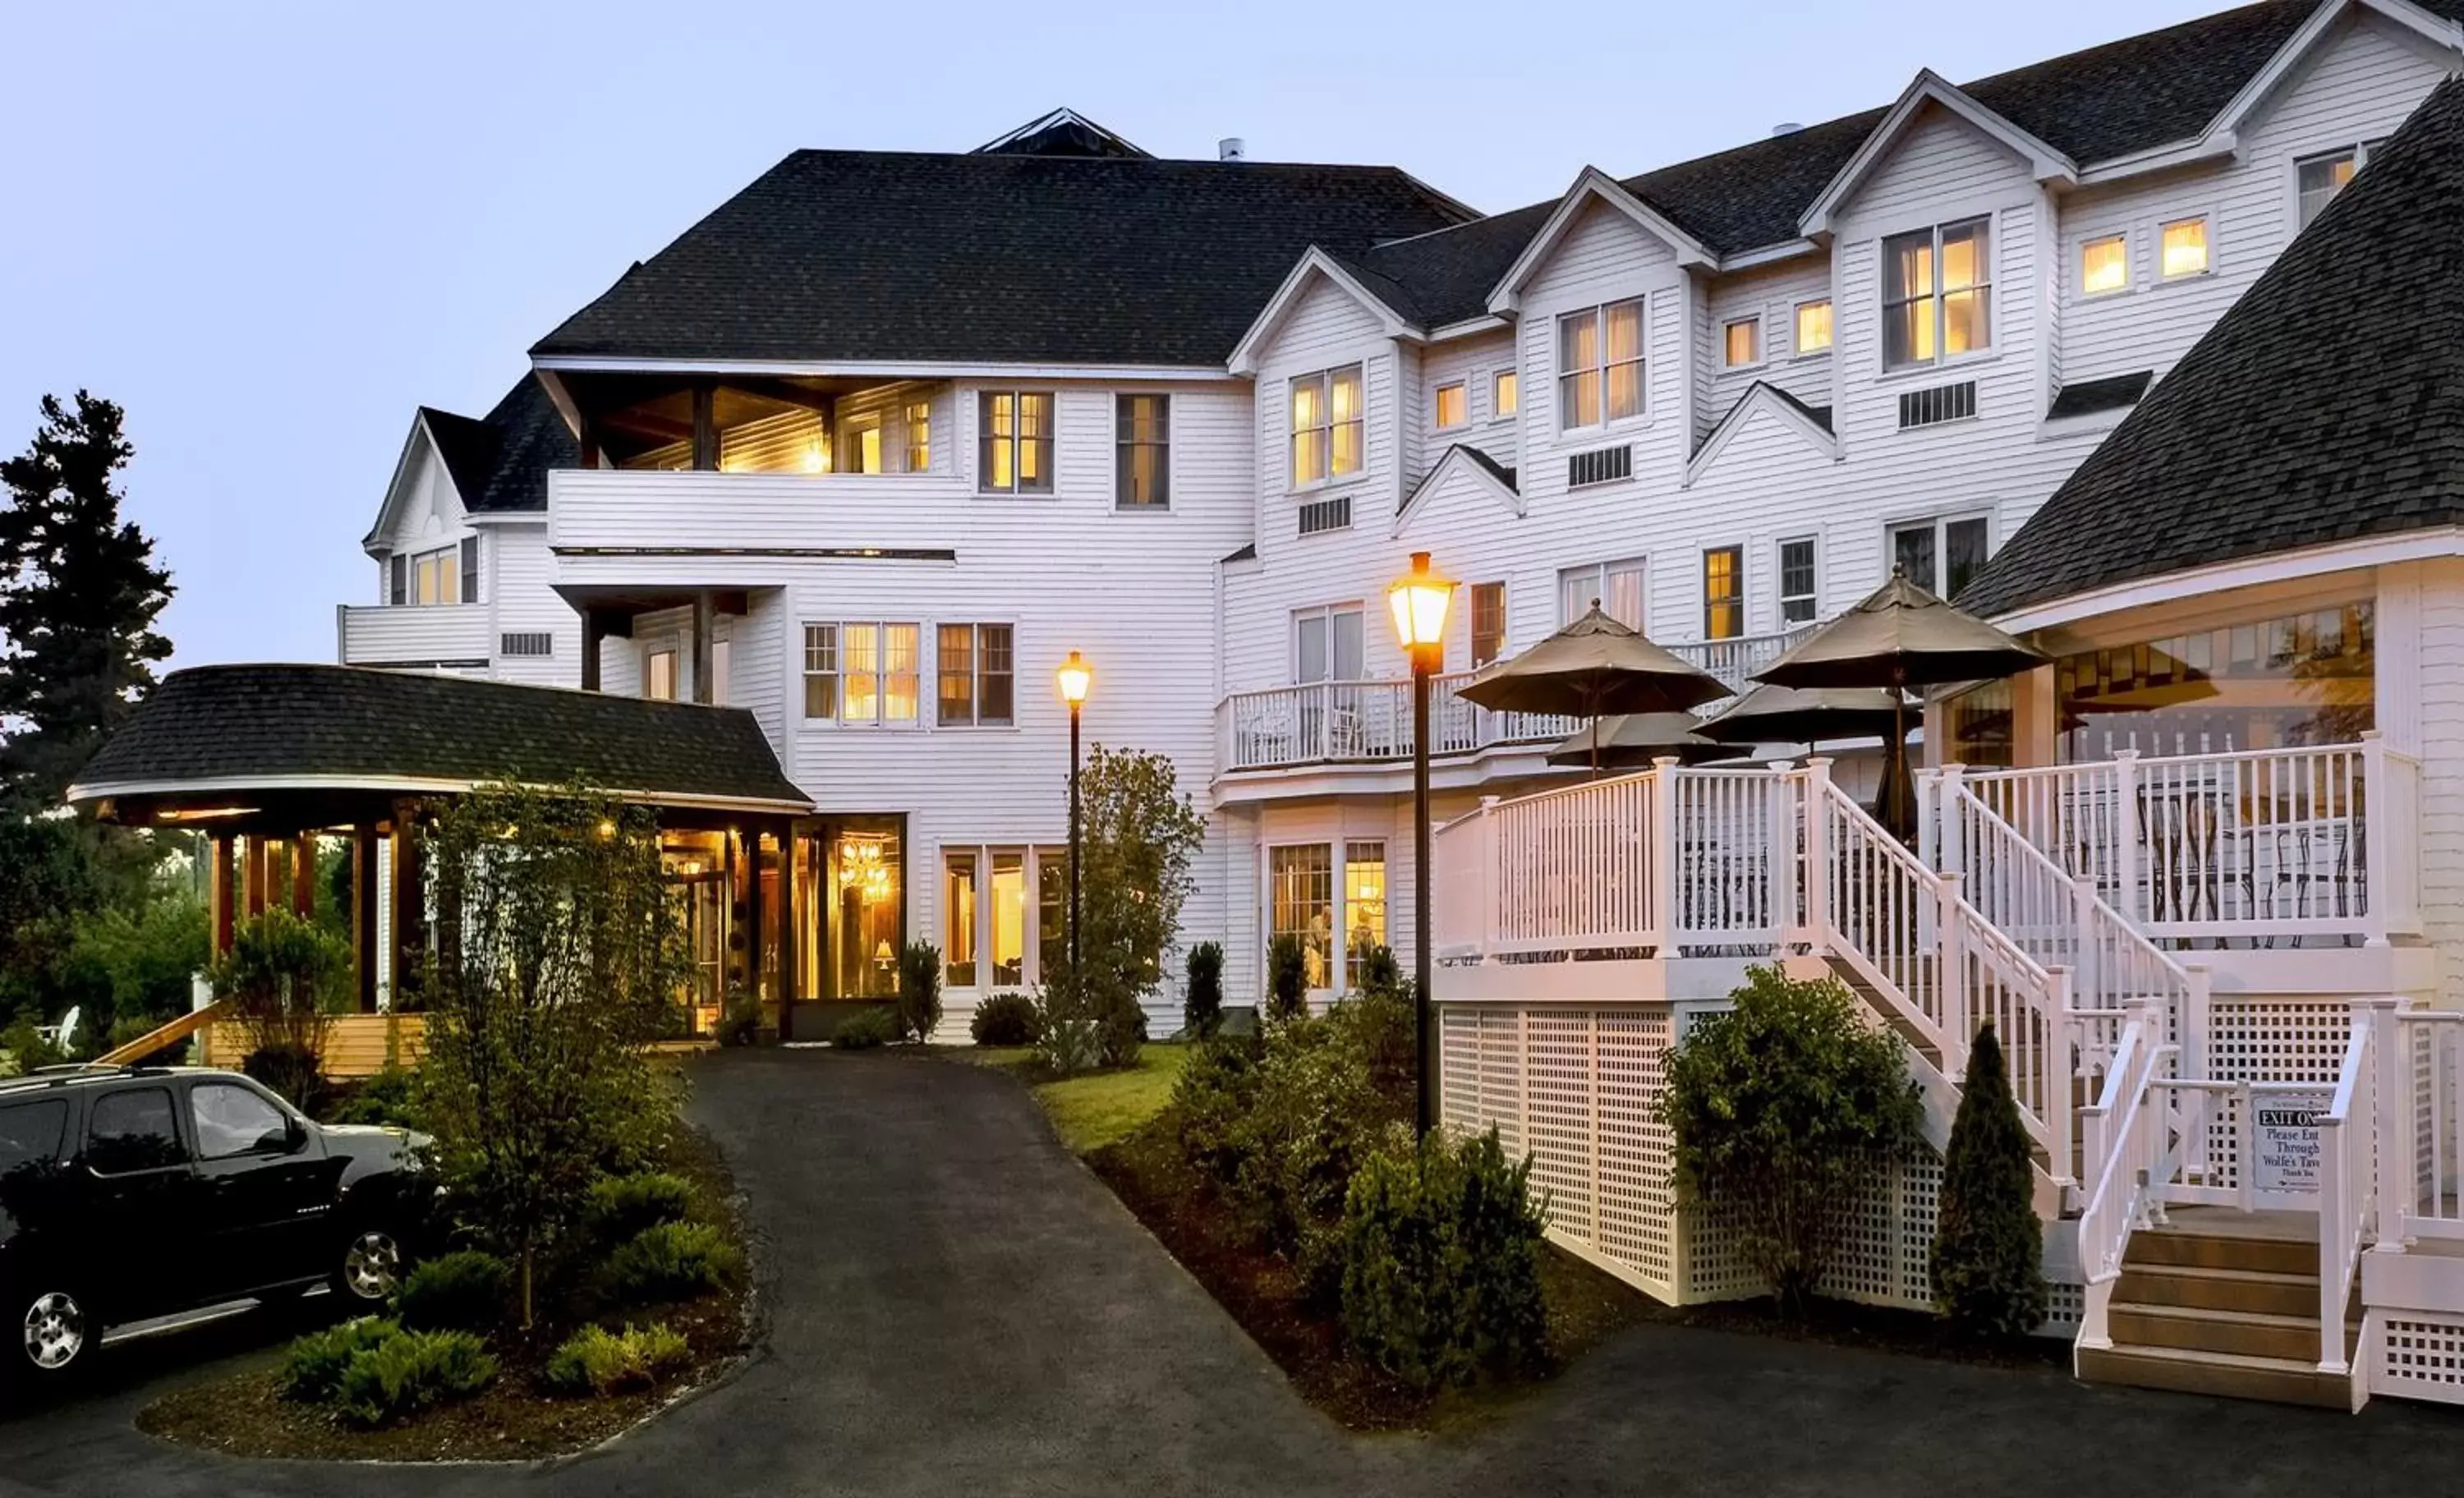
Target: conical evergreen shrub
1988,1260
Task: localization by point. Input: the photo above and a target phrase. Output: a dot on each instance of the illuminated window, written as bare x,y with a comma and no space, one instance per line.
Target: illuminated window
659,675
978,674
1618,585
1487,622
1741,343
1502,393
1326,426
919,436
861,449
1599,365
1453,404
1009,918
1798,587
821,671
1300,884
1142,478
1813,326
958,919
1017,443
2186,248
1937,295
446,575
1724,592
2104,265
1364,906
862,672
2321,177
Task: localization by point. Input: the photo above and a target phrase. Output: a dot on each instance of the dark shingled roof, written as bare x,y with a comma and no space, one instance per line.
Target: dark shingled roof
2087,397
2327,404
273,723
500,462
992,258
2092,105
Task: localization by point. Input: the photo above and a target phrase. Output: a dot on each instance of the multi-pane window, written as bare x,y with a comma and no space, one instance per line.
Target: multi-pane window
1142,476
1616,585
1503,394
1364,906
1016,429
859,446
1813,326
1453,402
919,436
2104,265
659,674
1940,556
1798,590
2321,177
1599,365
1009,918
1487,622
1326,645
446,575
977,672
861,673
986,935
1300,902
1724,592
958,914
1937,293
2182,248
1741,343
1326,426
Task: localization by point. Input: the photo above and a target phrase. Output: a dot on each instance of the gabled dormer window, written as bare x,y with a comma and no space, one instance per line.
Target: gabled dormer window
1328,428
445,575
1599,365
1937,295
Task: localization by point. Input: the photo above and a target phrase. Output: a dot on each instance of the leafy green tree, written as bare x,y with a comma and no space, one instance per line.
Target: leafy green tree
919,989
1286,978
560,955
1988,1260
1203,1003
1140,836
1780,1108
132,968
286,977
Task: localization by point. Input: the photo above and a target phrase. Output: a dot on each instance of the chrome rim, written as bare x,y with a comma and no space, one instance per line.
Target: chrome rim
371,1265
55,1331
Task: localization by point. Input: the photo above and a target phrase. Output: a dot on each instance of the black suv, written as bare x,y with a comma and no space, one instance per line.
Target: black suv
128,1193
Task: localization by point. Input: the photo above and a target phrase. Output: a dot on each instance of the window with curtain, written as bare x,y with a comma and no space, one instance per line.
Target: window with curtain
977,670
1142,470
1326,426
659,675
1016,439
1937,295
919,436
1364,906
958,917
1452,405
1300,884
1724,592
1741,343
1814,327
1504,396
869,671
1599,365
437,575
2321,177
2182,248
1009,918
1487,622
2104,265
1617,585
1328,645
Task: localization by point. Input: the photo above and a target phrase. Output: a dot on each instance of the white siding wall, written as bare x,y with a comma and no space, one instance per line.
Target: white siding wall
2435,592
1772,295
1474,363
518,571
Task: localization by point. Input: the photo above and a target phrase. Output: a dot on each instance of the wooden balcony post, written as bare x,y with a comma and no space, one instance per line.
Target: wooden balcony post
303,875
705,426
2123,818
410,944
220,894
594,634
365,954
1666,914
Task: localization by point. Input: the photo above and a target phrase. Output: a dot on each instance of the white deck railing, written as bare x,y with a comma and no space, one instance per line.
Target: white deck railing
1734,661
1324,722
2257,843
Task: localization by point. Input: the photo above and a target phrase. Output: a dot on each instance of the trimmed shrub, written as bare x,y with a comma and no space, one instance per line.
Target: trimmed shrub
868,1029
595,1360
1315,1115
1988,1260
1211,1101
621,1206
1006,1020
390,1096
1202,1004
312,1368
1286,978
673,1261
1778,1112
412,1371
466,1290
919,989
1441,1263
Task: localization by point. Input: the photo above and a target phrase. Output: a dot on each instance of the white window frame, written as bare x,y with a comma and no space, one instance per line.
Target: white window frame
2079,262
1739,554
1438,405
2207,222
1761,351
1936,296
1780,596
1328,614
651,655
2359,151
1502,379
1125,444
915,437
1601,363
1323,381
850,445
1572,607
1017,443
1797,329
446,563
1941,524
843,675
1333,846
1032,858
975,673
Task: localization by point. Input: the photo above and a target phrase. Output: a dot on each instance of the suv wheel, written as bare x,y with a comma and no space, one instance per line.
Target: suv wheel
55,1330
371,1265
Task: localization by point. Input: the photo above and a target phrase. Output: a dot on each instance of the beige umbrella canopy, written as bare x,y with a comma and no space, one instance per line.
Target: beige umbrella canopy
1901,637
1593,668
1804,716
1637,739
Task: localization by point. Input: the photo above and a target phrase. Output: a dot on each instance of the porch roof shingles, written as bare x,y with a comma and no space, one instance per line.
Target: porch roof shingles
2326,404
282,724
889,256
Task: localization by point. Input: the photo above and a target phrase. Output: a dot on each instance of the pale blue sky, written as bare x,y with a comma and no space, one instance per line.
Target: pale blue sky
271,231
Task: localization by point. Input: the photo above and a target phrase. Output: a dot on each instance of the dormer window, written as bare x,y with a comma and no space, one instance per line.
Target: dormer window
1741,343
1937,295
1599,365
1326,426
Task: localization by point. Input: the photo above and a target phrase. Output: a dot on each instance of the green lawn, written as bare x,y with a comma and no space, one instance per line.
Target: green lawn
1103,1107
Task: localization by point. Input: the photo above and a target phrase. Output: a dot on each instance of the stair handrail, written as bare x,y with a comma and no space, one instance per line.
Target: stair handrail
2349,1195
2125,1142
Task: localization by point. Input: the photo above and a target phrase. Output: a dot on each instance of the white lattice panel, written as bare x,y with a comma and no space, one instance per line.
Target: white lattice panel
2266,1039
1634,1161
2420,1356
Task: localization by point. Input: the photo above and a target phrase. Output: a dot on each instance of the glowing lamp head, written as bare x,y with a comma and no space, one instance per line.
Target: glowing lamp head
1075,677
1419,599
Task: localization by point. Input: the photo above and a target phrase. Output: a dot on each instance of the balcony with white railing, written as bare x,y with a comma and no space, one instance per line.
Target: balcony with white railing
413,634
1734,661
1367,722
634,511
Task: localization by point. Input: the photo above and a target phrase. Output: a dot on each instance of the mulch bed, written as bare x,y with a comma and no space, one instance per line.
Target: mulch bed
515,1418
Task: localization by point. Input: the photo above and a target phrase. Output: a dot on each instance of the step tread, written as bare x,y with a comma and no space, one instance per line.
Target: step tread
2207,1271
2218,1315
2248,1362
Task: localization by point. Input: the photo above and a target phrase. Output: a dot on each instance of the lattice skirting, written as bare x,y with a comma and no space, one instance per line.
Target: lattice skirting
2417,1354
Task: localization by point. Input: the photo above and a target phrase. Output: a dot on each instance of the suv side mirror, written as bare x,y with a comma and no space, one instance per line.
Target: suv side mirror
294,1134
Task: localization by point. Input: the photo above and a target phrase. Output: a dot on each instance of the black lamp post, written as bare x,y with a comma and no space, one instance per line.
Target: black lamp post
1419,600
1075,677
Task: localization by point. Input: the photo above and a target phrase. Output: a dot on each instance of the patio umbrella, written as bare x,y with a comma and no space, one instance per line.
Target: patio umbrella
1901,637
1593,668
1637,739
1804,716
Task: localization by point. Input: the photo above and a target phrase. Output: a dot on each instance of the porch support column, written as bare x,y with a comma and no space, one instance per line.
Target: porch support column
253,874
588,438
752,841
410,904
593,634
363,912
303,874
789,969
221,895
701,652
705,426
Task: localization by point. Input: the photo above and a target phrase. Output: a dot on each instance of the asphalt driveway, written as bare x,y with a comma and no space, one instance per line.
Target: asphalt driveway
957,1308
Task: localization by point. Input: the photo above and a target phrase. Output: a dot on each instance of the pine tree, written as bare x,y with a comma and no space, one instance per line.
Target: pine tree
1988,1260
78,595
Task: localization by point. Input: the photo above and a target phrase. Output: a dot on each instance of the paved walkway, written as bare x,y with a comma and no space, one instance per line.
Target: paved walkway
958,1310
